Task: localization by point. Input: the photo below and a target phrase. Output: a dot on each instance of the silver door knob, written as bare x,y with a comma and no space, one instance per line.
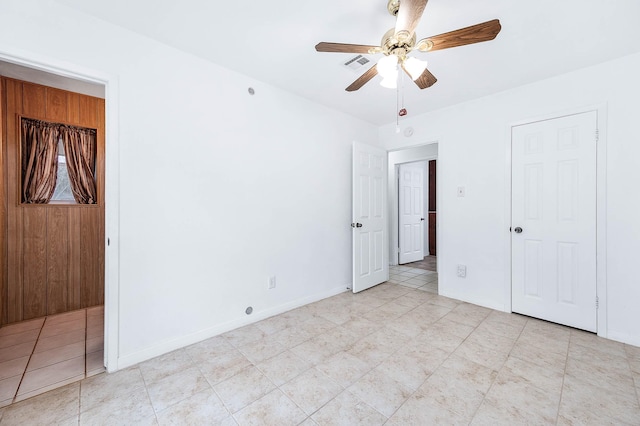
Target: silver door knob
422,218
356,225
518,230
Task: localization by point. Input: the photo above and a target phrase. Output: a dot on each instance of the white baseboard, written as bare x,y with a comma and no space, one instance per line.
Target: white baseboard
623,338
189,339
462,297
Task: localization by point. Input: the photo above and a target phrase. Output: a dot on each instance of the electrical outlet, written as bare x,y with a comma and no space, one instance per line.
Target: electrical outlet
462,271
272,282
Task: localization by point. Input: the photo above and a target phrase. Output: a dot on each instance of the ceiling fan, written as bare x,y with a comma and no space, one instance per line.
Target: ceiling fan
399,41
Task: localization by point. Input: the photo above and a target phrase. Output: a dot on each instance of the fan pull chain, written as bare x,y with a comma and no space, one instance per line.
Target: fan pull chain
400,112
402,77
403,111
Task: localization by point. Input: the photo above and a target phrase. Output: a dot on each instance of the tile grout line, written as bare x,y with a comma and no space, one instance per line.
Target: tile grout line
86,336
377,365
497,371
38,338
26,367
85,367
636,385
146,389
564,375
452,352
313,367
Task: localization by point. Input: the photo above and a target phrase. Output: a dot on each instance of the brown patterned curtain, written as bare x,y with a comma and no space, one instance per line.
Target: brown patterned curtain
80,150
39,160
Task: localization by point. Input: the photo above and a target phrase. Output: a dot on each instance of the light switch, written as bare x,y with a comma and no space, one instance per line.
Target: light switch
461,191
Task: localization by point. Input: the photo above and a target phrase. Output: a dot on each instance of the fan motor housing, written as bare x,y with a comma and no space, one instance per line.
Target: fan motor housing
393,45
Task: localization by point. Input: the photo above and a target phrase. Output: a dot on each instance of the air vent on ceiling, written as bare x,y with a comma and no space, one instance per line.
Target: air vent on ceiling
357,63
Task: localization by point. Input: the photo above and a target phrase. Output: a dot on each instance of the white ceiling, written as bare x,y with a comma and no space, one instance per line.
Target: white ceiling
274,43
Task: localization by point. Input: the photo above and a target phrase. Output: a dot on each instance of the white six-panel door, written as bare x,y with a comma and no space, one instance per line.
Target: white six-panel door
411,212
369,226
554,220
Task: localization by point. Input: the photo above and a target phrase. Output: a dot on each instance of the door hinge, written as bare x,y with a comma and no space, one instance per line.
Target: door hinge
597,135
108,242
597,302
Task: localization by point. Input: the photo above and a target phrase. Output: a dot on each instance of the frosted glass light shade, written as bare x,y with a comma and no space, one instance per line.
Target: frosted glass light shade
415,67
387,66
390,82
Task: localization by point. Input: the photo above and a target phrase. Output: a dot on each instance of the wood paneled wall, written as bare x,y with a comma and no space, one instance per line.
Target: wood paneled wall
3,214
53,254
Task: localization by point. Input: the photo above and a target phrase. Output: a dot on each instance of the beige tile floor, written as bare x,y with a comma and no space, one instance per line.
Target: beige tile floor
428,262
414,275
47,353
394,355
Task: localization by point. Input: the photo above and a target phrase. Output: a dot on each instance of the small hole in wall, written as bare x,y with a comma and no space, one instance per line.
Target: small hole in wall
249,310
251,91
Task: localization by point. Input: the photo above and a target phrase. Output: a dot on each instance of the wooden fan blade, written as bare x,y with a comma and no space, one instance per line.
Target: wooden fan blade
363,79
409,15
474,34
425,80
344,47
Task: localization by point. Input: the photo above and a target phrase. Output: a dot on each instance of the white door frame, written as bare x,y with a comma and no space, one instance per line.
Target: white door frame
112,182
394,199
601,207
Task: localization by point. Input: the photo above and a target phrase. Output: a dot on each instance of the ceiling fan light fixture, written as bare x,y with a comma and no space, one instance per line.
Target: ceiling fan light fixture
400,40
390,82
415,67
388,66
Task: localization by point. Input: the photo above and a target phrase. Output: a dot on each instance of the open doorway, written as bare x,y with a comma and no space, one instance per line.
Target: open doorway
420,157
53,279
413,219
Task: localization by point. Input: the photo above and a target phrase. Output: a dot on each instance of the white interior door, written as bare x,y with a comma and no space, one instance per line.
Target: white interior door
411,212
370,235
554,220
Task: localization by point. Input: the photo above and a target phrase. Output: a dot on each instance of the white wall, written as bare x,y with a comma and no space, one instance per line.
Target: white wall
218,189
472,152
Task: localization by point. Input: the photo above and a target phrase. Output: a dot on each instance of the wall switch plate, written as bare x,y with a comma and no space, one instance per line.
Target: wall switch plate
461,191
272,282
462,271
